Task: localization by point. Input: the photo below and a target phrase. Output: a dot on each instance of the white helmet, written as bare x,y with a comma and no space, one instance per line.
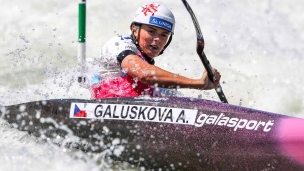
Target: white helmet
155,14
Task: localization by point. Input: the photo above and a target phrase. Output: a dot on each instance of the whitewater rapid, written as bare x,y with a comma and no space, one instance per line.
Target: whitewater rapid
257,47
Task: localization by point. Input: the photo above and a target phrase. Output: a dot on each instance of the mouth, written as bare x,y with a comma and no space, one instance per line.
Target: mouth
153,47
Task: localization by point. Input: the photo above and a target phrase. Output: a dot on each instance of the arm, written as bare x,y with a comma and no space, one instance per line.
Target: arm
153,75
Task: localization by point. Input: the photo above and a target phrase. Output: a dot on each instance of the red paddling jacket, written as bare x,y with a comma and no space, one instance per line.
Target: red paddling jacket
110,80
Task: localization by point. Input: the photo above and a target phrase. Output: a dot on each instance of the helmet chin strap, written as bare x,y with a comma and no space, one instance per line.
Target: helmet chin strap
167,44
149,59
133,38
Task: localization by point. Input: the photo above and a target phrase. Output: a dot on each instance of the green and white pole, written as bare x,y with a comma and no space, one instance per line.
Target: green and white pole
81,40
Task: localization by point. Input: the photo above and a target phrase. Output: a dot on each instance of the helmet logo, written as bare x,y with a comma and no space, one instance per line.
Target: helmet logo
150,8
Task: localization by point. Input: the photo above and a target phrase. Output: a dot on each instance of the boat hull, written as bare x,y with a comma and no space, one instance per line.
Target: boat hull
216,136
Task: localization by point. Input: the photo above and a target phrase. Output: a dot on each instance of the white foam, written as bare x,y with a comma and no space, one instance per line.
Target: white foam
257,47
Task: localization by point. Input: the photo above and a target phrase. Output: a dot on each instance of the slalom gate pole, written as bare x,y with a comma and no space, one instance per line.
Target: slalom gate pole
81,40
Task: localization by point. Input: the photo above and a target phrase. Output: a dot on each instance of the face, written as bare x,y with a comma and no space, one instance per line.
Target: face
152,39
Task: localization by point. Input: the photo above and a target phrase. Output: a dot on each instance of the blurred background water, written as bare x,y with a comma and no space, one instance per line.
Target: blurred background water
257,47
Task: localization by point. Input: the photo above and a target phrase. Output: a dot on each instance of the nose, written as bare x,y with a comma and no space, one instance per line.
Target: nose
156,37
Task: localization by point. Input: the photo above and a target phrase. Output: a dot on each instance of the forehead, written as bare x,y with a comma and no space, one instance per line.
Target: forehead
145,26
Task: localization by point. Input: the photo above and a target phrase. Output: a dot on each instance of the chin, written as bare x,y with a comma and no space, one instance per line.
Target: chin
152,55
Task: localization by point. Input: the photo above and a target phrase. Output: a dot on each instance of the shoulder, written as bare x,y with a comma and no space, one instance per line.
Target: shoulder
118,44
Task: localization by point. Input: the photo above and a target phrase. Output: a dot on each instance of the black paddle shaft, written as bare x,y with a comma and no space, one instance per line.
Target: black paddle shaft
200,51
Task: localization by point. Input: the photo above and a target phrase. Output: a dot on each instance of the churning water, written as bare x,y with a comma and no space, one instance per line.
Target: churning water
257,47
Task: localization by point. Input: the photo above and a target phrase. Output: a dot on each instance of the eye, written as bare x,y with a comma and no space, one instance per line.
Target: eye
151,31
165,35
